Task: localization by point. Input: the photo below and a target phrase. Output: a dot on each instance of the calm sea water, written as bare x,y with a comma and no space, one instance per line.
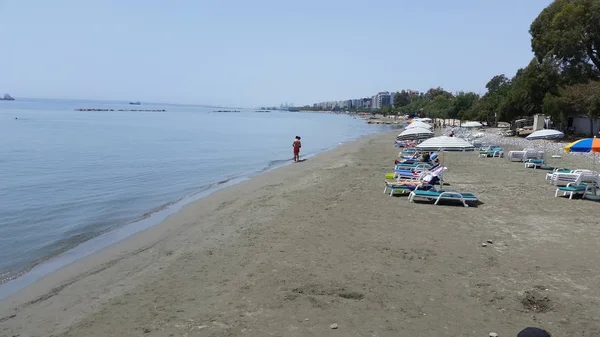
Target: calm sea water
67,176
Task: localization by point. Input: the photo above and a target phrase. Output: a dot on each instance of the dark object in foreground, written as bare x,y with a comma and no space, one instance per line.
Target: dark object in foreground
533,332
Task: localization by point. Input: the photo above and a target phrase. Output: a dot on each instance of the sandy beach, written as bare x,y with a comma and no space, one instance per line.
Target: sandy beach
295,250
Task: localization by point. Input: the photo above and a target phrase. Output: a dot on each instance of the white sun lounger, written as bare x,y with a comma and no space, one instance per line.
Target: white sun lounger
573,189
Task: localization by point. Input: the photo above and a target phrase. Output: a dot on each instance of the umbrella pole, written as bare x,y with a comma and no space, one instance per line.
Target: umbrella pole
594,168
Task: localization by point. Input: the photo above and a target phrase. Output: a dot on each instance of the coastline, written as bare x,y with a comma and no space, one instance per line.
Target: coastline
296,249
29,274
87,256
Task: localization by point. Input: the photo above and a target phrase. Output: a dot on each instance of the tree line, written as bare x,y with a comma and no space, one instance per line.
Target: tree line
561,80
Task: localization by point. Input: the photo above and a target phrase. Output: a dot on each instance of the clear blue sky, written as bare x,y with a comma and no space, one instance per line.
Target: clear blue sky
257,52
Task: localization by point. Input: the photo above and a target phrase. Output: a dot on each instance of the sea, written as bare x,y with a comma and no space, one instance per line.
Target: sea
73,182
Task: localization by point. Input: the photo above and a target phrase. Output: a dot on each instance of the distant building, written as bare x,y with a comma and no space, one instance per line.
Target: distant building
382,99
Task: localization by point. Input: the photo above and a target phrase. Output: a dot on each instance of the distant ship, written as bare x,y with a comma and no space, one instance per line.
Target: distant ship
7,97
135,103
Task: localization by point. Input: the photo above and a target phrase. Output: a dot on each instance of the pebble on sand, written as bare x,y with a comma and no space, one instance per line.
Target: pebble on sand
490,242
333,326
484,244
493,334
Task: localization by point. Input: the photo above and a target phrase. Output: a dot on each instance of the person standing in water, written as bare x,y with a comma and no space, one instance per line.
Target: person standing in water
297,145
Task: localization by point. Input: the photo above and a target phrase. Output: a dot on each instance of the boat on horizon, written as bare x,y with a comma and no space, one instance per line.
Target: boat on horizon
7,97
135,103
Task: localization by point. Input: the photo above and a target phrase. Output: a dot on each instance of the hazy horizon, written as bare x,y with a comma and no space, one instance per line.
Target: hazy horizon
264,53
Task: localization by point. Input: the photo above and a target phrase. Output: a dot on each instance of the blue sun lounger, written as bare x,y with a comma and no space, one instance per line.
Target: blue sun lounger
433,195
394,188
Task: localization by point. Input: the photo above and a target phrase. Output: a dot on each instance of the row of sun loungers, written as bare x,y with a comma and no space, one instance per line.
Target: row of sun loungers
567,182
420,181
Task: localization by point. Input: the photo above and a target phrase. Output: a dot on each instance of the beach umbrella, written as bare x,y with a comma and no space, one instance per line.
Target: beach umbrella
584,146
471,125
426,119
419,124
445,143
545,134
415,133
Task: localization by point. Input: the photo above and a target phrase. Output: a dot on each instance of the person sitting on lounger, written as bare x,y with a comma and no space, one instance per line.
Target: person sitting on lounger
425,157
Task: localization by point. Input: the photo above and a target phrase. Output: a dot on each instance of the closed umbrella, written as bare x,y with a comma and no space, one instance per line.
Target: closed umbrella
415,133
545,134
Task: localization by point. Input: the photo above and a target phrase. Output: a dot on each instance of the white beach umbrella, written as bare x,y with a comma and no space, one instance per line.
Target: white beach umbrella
445,143
419,124
426,119
545,134
415,133
471,125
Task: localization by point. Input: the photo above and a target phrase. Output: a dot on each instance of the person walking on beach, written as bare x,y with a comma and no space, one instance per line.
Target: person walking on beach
297,145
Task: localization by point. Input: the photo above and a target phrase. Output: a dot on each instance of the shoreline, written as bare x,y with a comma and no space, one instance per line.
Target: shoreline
295,250
53,264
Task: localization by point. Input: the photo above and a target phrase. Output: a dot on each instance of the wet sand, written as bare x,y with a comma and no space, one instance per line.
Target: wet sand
295,250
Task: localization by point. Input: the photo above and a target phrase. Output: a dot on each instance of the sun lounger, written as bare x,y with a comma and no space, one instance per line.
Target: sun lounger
516,155
492,152
586,177
412,166
407,187
411,171
534,163
552,176
525,154
423,180
572,189
549,175
443,195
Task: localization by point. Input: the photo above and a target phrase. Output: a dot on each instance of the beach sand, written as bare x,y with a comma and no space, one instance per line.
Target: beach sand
295,250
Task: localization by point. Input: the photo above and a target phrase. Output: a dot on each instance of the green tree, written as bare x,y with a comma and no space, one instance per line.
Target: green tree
440,107
525,93
386,110
551,107
401,99
496,83
582,99
569,31
463,101
432,93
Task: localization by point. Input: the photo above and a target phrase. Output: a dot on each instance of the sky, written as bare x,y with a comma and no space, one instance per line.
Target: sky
250,53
